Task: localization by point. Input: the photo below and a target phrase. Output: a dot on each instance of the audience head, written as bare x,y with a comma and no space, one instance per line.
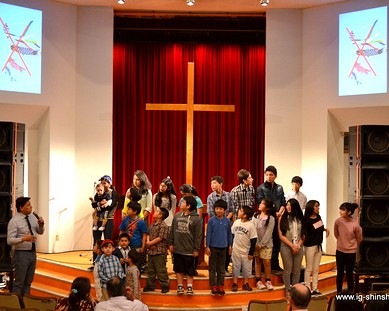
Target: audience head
115,287
80,291
300,296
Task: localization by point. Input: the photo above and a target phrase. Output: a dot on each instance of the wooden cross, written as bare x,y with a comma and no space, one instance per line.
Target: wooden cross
190,108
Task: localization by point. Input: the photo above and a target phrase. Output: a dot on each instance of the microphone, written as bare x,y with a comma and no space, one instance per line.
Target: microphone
36,215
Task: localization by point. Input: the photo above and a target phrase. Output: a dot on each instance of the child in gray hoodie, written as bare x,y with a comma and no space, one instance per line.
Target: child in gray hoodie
184,243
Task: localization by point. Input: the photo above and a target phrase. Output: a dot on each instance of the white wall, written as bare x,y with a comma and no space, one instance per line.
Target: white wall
69,126
68,121
325,116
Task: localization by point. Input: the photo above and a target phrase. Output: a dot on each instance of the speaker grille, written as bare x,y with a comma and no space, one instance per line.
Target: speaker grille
378,140
374,254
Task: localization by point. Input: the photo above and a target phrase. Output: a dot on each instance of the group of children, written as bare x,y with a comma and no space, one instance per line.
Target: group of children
249,237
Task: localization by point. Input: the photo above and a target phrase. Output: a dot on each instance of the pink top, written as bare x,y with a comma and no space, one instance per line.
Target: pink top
348,234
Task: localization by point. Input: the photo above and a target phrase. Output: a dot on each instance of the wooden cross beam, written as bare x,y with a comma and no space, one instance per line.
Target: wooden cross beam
190,108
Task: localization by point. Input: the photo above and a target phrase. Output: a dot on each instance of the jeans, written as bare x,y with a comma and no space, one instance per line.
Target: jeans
292,265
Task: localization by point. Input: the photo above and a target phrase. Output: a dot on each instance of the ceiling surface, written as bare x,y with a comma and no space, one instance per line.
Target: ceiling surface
201,6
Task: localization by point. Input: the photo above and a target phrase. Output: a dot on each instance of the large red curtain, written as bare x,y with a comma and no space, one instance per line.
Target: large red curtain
155,141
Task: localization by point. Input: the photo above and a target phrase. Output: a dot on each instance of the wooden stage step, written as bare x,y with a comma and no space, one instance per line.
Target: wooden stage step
56,272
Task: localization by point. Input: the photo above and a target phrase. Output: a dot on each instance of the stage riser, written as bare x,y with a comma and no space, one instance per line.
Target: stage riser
53,279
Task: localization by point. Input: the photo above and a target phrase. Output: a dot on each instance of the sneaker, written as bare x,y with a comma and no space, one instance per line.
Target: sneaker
269,285
316,293
260,285
247,287
214,290
227,274
94,228
148,289
101,228
165,289
221,291
234,287
180,290
189,290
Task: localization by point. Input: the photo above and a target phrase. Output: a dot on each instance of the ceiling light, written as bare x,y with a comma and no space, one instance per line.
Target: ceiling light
264,2
121,1
190,2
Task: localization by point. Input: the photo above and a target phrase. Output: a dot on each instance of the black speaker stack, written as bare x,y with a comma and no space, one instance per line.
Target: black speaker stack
369,187
12,141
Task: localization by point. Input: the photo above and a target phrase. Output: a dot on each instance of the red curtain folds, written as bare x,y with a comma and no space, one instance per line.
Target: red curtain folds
155,141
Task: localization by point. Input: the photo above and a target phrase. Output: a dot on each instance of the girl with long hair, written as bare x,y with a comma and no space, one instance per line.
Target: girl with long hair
79,297
291,229
312,244
166,198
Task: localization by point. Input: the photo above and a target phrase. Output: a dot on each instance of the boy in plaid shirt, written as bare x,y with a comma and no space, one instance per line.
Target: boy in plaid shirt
108,267
157,243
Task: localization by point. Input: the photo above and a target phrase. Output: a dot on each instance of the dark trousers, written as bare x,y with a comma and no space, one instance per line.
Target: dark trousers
217,266
25,263
228,259
345,261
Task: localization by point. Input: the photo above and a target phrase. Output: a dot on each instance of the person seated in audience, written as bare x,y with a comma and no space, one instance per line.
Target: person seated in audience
79,298
300,296
117,300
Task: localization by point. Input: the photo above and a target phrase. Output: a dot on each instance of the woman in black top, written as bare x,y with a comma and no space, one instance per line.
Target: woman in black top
312,244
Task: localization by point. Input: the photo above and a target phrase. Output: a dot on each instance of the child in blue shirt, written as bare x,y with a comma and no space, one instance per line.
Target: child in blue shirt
137,230
218,242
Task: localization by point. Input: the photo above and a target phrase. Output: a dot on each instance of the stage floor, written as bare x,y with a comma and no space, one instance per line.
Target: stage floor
82,259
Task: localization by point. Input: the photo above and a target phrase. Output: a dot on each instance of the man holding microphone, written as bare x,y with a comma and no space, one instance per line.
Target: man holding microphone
21,236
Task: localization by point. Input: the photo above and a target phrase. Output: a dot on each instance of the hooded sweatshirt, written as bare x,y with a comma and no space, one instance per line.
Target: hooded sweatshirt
186,233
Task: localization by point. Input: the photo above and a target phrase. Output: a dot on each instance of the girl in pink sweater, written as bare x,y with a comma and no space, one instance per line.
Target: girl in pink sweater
349,235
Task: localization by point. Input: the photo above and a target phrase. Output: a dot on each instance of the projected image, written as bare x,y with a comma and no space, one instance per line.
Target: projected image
363,52
20,49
